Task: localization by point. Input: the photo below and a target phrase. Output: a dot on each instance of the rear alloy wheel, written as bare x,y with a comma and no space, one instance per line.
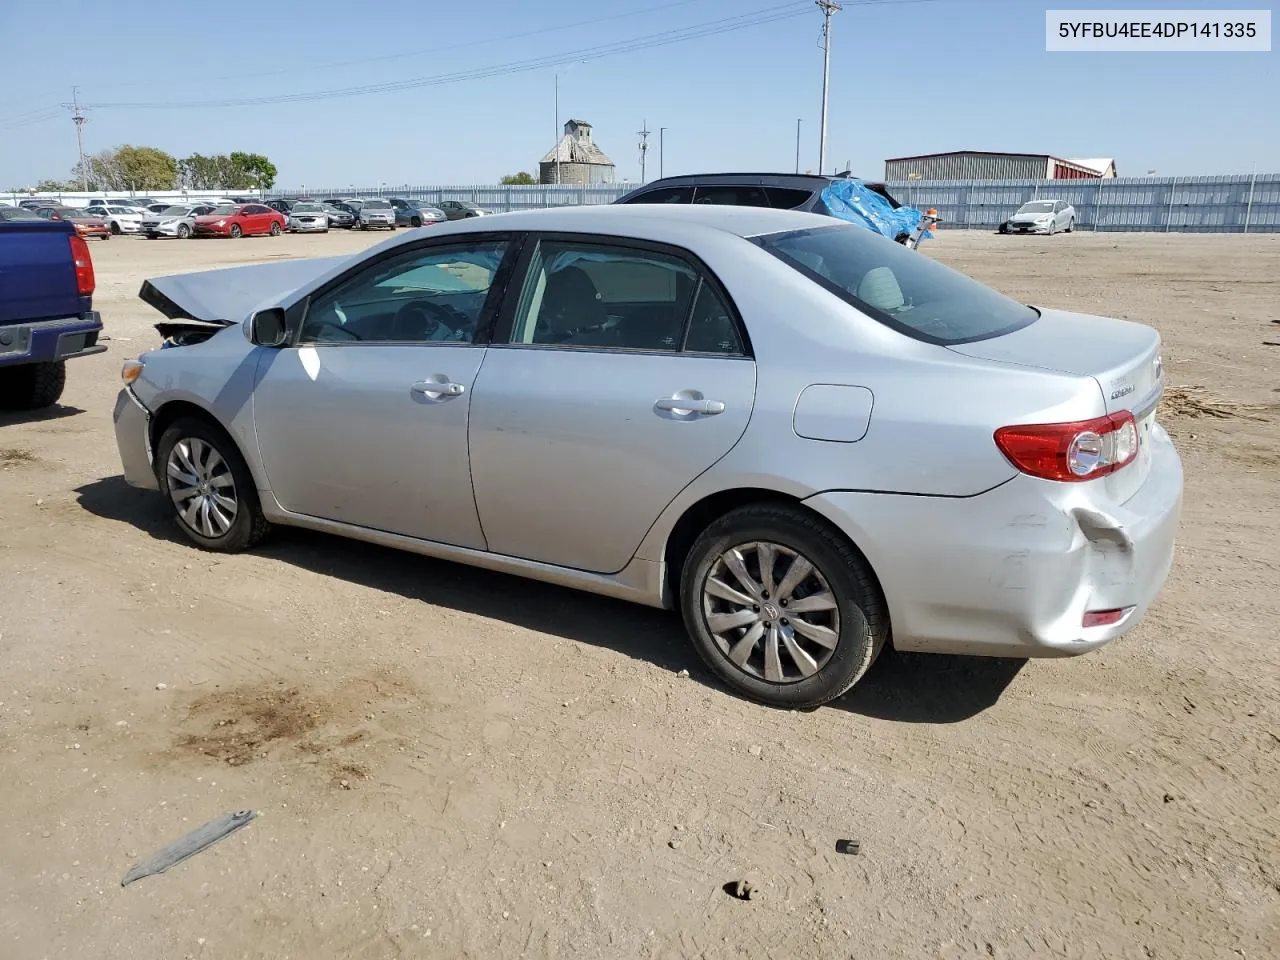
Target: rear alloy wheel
275,229
235,231
209,487
781,607
183,231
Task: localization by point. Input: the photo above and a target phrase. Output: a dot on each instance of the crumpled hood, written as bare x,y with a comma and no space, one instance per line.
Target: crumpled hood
231,294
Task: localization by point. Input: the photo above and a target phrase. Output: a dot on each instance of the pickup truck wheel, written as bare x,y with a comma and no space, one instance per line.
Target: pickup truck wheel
209,487
32,386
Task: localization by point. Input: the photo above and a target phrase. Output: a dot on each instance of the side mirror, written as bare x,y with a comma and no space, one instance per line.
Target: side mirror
267,328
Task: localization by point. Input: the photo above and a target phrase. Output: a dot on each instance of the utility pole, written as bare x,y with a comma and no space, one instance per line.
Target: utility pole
661,153
797,144
80,119
828,8
643,134
557,150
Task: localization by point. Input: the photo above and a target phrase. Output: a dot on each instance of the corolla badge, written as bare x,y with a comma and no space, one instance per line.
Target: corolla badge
1122,391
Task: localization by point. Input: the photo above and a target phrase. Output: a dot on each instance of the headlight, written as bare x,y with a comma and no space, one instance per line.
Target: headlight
221,223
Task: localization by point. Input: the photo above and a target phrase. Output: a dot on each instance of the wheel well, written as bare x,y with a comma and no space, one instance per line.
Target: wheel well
175,410
706,511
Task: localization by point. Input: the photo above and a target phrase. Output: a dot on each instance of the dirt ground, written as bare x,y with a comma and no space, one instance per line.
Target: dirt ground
452,763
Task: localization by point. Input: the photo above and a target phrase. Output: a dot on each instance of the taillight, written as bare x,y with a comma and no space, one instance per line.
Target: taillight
84,265
1071,452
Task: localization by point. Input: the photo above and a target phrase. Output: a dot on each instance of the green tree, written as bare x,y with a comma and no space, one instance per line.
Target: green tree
521,179
54,186
146,168
257,169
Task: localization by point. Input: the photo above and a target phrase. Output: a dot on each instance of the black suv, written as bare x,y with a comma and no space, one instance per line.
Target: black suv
784,191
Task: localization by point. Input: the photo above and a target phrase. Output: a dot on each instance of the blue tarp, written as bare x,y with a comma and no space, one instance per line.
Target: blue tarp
854,201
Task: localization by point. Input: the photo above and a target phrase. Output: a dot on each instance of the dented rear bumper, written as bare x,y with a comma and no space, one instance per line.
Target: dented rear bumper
1011,572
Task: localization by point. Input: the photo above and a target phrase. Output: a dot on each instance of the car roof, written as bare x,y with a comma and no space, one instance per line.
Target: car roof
631,220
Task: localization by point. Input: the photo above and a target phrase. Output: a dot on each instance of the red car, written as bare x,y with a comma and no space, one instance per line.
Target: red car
240,220
86,225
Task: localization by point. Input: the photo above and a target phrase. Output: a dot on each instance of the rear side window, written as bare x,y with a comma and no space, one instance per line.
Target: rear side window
903,289
665,195
788,199
737,196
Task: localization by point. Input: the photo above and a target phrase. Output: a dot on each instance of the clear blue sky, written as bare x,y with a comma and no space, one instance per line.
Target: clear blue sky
906,77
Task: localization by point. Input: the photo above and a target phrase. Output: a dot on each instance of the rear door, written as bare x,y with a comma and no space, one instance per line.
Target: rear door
617,376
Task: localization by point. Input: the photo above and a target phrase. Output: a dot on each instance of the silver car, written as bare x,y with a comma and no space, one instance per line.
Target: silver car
177,221
374,213
805,437
306,216
1042,216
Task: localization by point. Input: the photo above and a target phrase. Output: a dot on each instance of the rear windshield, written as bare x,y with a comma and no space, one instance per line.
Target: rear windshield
903,289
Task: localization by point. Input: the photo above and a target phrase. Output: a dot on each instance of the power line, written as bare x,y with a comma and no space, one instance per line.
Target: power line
650,41
711,28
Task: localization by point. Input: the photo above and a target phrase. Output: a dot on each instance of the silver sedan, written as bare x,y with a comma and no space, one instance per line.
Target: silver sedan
308,217
809,440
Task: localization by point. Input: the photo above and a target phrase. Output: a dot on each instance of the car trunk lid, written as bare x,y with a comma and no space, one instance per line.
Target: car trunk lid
1123,358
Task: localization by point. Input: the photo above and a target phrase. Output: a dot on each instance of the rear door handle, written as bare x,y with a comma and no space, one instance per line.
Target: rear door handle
438,388
685,405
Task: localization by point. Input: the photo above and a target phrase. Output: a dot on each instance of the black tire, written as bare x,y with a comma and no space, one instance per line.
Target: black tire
183,231
275,229
236,232
104,236
415,222
115,228
1071,224
32,386
863,616
249,526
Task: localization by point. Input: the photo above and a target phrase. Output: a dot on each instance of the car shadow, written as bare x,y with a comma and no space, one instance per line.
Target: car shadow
56,412
901,687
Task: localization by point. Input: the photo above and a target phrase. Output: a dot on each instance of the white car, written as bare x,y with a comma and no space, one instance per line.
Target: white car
119,219
1042,216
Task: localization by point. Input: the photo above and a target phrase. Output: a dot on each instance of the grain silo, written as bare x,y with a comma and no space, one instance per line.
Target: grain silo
576,159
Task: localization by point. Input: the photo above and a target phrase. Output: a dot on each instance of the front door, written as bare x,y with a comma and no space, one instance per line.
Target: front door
363,419
620,377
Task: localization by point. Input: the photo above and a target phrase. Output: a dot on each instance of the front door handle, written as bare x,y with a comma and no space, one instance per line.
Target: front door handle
686,405
438,387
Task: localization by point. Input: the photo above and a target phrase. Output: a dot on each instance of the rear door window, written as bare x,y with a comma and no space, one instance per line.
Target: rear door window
732,195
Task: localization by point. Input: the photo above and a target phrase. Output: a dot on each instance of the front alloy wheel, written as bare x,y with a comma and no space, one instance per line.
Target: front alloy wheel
209,486
781,606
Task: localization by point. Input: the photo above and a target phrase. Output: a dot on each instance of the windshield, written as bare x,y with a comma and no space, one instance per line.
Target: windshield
903,289
19,213
377,204
1037,206
306,208
175,211
225,210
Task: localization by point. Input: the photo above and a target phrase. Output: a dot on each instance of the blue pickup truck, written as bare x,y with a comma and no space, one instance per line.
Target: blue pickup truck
46,308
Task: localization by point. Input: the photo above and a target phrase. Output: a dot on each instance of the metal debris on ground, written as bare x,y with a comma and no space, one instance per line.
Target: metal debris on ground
851,847
188,846
742,890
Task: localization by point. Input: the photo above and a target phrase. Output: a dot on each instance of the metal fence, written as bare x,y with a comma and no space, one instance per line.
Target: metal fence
1234,204
1230,204
497,198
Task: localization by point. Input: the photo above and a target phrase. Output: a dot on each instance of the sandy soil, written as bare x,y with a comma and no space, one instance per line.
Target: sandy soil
451,763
